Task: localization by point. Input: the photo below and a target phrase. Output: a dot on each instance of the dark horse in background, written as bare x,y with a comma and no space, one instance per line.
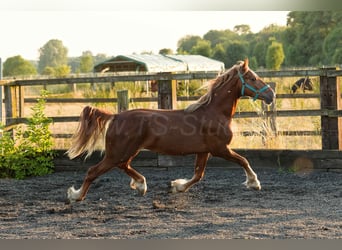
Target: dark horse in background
303,84
203,129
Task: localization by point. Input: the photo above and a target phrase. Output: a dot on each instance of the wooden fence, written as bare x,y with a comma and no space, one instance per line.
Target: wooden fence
330,98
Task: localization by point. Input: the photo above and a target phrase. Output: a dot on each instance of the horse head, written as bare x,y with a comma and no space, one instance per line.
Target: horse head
253,86
302,83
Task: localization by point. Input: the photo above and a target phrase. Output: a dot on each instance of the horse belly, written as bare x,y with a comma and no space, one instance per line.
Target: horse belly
176,144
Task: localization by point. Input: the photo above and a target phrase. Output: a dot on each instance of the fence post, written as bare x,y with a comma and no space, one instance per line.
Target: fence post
167,93
123,103
330,100
21,94
11,103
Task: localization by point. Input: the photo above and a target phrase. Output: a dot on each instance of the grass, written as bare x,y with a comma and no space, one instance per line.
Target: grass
261,138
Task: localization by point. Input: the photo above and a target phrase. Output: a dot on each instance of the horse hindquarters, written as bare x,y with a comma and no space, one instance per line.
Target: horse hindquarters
120,149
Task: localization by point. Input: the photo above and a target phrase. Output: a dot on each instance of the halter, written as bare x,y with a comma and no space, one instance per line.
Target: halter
256,91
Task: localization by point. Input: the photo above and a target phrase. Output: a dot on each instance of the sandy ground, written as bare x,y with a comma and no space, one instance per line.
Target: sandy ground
289,206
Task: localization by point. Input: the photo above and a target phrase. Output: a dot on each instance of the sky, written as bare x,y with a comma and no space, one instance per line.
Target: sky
112,29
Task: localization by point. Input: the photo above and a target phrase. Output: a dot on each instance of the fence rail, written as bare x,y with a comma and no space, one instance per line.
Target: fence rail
330,97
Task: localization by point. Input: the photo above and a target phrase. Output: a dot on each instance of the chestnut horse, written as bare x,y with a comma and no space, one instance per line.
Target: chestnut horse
203,128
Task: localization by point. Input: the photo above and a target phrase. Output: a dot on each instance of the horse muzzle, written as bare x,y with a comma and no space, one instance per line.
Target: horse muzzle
268,96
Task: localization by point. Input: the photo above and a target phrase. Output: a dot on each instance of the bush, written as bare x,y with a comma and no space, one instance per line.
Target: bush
30,153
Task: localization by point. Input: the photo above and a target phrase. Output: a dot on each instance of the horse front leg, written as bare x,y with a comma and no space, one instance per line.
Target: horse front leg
182,185
251,177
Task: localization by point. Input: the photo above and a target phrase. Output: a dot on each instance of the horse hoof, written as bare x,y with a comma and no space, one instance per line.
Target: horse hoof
73,194
258,187
140,187
255,184
178,185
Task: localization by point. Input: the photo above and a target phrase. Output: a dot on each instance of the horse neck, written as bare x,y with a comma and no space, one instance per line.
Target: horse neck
225,99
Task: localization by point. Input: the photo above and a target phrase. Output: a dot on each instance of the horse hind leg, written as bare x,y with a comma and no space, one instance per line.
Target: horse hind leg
183,185
138,181
93,172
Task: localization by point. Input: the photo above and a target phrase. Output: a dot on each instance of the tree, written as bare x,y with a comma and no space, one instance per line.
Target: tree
202,47
236,51
274,56
219,53
146,52
99,58
337,57
259,42
62,70
18,66
52,54
74,63
242,29
166,51
186,44
307,31
259,53
49,71
86,62
220,37
253,63
331,45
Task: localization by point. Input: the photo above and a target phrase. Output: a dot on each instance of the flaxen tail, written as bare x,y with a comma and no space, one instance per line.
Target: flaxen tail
91,128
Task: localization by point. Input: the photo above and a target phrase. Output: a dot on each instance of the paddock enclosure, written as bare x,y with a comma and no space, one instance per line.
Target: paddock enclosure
296,155
298,122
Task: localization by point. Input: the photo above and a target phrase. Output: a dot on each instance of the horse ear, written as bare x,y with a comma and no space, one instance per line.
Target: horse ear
245,65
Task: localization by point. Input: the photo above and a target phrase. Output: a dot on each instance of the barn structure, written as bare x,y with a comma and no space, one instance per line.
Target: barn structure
159,63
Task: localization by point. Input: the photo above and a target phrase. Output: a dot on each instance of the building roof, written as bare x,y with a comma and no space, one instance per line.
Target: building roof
199,63
159,63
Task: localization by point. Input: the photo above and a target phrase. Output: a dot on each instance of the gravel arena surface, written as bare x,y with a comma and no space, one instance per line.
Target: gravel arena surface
289,206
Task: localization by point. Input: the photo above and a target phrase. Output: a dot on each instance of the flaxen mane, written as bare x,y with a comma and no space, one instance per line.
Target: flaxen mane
213,85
